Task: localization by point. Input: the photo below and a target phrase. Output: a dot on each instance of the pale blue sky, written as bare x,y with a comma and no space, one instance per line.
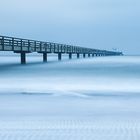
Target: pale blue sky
102,24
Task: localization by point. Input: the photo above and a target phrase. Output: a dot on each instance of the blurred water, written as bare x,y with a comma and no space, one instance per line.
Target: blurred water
83,99
107,74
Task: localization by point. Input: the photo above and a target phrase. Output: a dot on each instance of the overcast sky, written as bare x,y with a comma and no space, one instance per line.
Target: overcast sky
102,24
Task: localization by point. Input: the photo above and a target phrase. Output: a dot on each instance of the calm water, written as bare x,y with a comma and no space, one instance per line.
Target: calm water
85,99
97,74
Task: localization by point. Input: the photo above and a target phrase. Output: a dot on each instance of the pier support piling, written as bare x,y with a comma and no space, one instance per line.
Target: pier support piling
59,56
78,55
84,55
23,57
89,55
70,55
44,57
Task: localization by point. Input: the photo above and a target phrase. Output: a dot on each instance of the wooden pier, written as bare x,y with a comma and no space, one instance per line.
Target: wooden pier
24,46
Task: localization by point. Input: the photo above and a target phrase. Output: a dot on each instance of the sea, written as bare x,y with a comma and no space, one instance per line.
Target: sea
92,98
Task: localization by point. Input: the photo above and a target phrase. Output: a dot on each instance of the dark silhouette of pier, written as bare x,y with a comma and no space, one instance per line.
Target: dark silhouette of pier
24,46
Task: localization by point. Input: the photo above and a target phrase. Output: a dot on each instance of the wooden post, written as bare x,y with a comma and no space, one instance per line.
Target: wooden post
23,57
70,55
78,55
13,44
2,43
84,55
44,57
59,56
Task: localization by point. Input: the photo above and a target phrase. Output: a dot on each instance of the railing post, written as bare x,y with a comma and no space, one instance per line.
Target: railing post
34,45
21,45
40,46
28,45
13,44
2,43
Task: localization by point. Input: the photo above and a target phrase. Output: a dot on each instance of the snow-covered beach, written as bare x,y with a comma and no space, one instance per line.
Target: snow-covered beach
83,99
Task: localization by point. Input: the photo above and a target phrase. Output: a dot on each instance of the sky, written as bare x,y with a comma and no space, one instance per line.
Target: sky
101,24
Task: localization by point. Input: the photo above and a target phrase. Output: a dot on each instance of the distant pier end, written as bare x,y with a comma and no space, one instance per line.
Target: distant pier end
24,46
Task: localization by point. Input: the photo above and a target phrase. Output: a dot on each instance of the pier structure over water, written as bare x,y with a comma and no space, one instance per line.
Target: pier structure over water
24,46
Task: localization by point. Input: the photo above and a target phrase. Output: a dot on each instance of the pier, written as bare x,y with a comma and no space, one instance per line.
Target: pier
24,46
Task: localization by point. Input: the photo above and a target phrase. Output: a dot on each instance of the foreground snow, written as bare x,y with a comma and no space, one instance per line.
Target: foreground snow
85,99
